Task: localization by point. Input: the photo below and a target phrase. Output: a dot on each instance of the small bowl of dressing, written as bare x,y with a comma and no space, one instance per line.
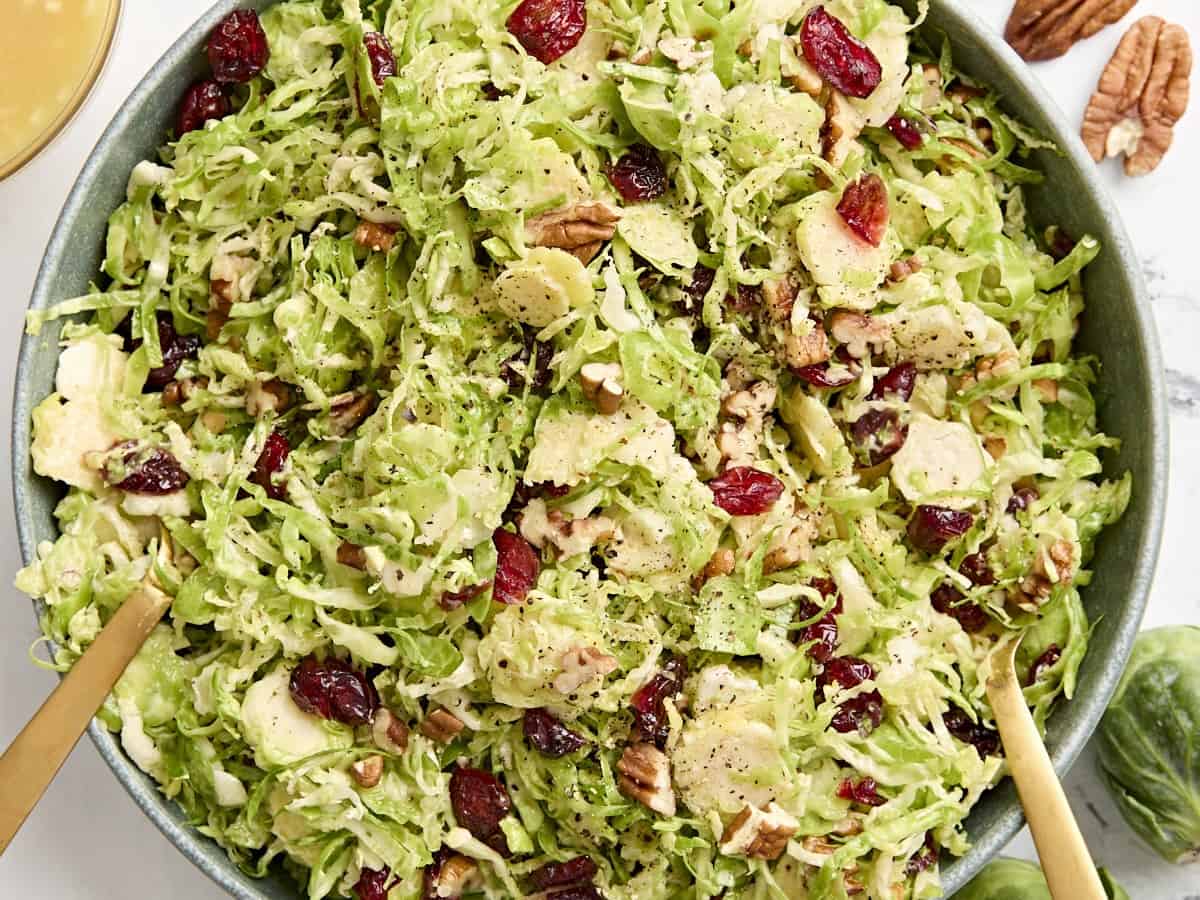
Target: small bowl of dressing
51,55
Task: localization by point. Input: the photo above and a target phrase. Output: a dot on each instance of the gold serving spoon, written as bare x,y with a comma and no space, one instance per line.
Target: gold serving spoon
38,752
1064,855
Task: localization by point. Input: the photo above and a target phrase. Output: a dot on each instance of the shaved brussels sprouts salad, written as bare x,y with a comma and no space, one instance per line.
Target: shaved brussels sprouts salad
599,445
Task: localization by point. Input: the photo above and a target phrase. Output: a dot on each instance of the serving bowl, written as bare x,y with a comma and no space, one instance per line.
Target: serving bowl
1117,328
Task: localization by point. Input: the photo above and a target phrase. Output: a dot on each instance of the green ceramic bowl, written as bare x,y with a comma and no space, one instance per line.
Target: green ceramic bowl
1118,328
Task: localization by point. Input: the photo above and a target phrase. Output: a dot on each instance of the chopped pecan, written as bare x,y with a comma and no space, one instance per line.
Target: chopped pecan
580,229
858,332
806,350
454,877
348,412
802,76
843,124
367,772
374,236
1045,29
264,397
995,445
779,296
442,726
722,562
389,731
645,776
1047,389
579,666
601,383
176,393
902,268
791,544
541,526
738,441
352,555
218,309
759,833
214,420
752,403
1142,94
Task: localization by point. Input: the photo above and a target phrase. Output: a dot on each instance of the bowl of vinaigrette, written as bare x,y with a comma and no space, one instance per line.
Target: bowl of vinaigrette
51,55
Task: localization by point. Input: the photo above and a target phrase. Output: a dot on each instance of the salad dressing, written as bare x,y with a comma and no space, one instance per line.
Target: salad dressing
50,54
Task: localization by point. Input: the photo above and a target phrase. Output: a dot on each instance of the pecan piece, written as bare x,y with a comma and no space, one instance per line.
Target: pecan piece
601,383
759,833
454,877
580,229
859,332
389,731
808,350
1045,29
352,555
264,397
1142,94
581,665
442,726
348,412
367,772
645,776
722,562
373,236
843,124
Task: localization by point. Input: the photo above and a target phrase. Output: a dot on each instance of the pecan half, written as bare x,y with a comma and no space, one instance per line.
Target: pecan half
580,229
859,332
389,731
808,350
347,413
442,726
264,397
645,776
759,833
1045,29
843,124
1142,94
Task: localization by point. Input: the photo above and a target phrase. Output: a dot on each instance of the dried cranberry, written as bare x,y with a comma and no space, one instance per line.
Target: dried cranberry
451,600
905,132
548,735
925,858
1048,660
864,208
932,527
899,380
517,567
175,349
878,435
842,59
237,48
746,299
702,281
531,363
576,892
148,470
480,802
823,632
557,874
823,375
861,713
1021,499
745,491
948,600
977,568
270,462
639,174
380,55
202,101
333,689
985,741
548,28
1059,243
649,702
864,791
374,884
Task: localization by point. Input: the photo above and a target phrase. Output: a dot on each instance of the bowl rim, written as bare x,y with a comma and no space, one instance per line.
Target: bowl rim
87,83
217,866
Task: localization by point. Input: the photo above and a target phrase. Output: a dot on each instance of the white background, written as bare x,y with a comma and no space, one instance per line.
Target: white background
88,840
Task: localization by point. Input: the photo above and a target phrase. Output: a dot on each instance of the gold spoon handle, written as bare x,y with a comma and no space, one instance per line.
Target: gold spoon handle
1064,855
38,752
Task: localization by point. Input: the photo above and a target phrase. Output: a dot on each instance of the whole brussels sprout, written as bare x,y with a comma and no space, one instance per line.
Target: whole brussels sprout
1016,879
1149,742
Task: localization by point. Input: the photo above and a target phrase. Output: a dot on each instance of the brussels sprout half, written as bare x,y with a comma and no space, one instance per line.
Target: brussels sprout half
1149,742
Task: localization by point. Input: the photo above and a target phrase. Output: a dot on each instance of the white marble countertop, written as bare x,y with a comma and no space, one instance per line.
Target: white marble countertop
88,840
